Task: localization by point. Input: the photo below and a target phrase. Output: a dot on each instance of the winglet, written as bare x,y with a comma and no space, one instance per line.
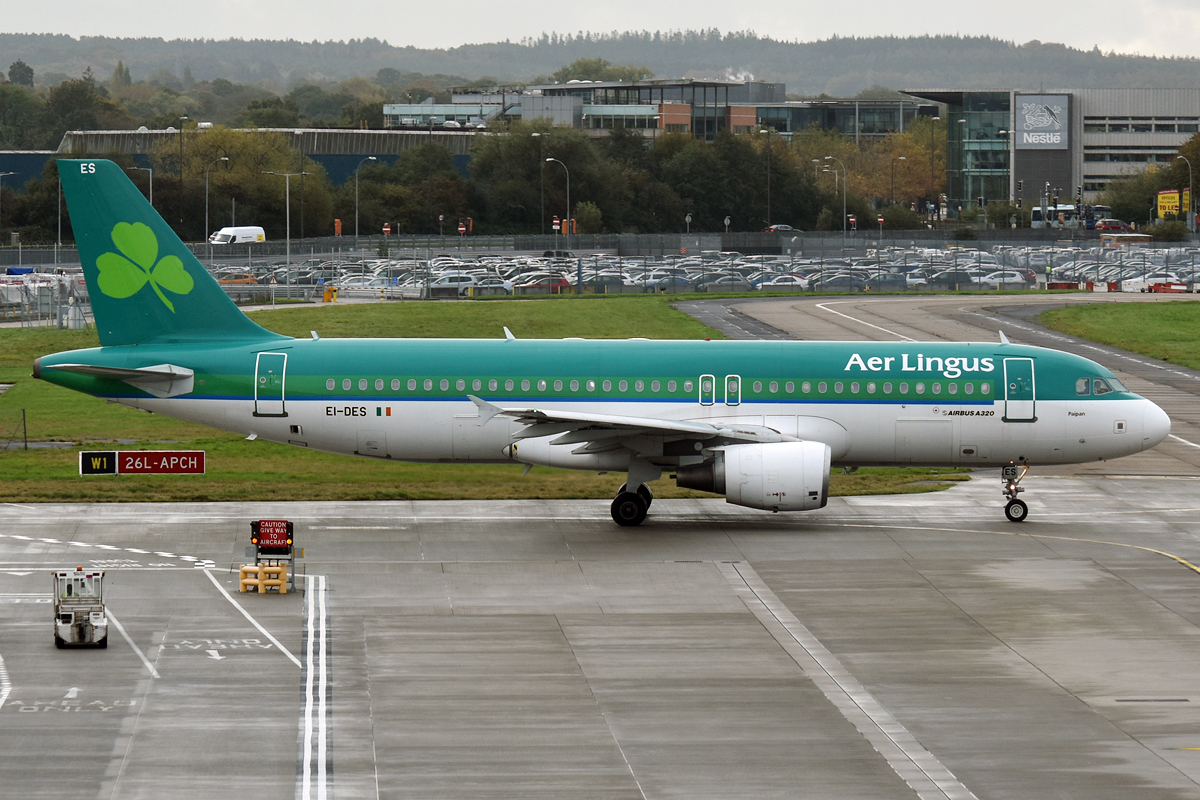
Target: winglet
508,334
1004,339
486,409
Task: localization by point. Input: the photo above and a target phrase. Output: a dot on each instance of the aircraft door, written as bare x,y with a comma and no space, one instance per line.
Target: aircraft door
1019,393
269,373
733,390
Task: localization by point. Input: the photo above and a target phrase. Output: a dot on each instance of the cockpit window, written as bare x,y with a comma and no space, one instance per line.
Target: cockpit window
1083,386
1100,386
1116,385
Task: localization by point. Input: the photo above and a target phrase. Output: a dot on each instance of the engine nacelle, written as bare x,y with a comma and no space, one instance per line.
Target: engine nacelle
781,476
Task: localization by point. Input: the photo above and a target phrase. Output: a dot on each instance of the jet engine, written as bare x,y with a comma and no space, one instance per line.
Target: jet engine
780,476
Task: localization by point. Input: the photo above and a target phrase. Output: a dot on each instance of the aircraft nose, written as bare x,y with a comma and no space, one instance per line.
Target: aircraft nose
1155,425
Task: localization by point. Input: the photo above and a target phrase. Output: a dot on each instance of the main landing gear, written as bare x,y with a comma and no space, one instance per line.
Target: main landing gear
1010,476
629,508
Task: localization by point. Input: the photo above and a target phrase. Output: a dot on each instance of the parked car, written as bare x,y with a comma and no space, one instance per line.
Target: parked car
887,282
236,279
838,283
1113,225
726,283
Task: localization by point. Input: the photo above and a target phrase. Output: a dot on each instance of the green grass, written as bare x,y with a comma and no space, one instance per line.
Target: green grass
1168,330
241,470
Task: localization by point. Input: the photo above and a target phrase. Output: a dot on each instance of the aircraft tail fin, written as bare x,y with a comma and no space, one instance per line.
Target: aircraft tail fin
144,284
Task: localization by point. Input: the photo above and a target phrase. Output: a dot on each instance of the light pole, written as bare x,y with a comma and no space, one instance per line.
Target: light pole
207,232
151,171
287,194
181,121
932,129
567,219
2,176
892,198
845,182
300,151
1191,200
767,131
541,180
356,169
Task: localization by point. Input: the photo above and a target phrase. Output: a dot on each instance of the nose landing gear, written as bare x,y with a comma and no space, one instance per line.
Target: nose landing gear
1010,476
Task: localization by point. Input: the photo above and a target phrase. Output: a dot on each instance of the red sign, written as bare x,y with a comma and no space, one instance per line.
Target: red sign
387,229
160,462
881,219
462,227
272,533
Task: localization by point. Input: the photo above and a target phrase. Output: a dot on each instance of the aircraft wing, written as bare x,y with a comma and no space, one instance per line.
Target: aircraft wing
161,380
598,432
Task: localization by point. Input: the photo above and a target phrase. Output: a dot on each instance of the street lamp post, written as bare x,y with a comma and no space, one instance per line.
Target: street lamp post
932,130
767,131
567,219
151,171
356,169
845,183
541,180
892,198
287,194
1191,200
2,176
207,232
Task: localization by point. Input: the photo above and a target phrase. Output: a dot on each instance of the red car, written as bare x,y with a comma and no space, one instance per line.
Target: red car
1113,225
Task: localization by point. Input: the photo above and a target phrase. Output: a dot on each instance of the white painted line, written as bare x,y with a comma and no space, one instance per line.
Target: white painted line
121,629
919,768
252,620
1181,439
825,307
18,505
5,683
316,688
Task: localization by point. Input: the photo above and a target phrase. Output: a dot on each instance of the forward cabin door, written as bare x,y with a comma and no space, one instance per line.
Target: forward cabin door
1019,393
269,373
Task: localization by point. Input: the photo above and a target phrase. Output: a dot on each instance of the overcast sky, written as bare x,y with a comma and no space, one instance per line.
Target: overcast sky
1149,27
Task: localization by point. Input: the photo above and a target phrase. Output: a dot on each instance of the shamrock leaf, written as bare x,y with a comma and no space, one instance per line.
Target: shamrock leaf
118,277
124,275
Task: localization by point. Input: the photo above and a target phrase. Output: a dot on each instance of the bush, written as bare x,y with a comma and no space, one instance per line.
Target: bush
1170,232
965,234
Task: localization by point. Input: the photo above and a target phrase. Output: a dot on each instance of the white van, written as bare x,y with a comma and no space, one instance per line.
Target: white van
239,235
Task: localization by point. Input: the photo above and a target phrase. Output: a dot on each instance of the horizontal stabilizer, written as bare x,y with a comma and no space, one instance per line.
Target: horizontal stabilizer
161,380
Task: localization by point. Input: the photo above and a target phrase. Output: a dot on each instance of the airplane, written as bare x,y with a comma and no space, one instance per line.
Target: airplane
761,422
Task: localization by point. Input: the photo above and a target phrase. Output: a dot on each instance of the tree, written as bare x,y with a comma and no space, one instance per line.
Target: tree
20,114
20,73
78,105
120,76
597,69
588,217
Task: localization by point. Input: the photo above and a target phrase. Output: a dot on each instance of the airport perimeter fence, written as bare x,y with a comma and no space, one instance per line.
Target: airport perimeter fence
14,432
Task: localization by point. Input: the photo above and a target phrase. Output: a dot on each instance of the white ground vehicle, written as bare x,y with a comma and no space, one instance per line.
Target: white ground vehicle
79,617
242,234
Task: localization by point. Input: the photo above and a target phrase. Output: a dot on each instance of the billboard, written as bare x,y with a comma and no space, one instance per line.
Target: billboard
1168,202
1043,121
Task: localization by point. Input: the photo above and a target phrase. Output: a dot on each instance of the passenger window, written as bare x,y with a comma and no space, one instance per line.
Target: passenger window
887,388
591,386
493,385
524,386
837,387
773,387
542,385
346,385
969,388
445,384
822,387
412,385
805,387
671,386
476,384
508,386
654,386
790,387
558,386
904,388
937,388
1083,386
757,387
1100,386
871,388
574,386
379,384
606,386
428,385
853,388
460,384
623,386
985,388
687,386
920,388
952,388
362,384
639,386
330,384
395,384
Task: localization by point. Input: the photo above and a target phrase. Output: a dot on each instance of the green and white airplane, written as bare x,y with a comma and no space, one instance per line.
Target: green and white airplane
760,422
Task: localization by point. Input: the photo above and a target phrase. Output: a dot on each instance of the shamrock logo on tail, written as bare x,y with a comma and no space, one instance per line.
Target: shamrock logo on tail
124,275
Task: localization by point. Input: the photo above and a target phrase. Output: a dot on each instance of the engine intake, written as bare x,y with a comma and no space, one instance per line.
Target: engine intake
781,476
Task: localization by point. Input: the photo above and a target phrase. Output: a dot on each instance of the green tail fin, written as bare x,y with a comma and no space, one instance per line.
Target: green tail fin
144,284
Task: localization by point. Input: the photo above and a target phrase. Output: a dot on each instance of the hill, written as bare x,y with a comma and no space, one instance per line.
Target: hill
839,66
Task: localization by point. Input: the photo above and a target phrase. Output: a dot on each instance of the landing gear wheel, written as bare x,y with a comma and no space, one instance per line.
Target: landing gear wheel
103,643
629,509
1016,511
59,643
643,490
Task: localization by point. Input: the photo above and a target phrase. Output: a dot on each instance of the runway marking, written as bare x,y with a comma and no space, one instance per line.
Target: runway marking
121,629
915,765
1181,439
825,307
252,620
316,711
5,683
18,505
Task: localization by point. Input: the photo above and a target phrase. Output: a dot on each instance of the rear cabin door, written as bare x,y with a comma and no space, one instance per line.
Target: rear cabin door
1019,393
268,385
